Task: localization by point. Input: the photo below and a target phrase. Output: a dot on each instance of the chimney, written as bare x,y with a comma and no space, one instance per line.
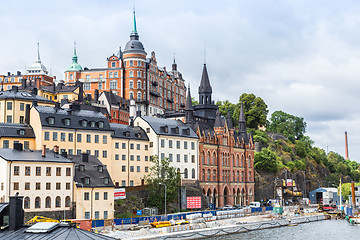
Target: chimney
96,95
15,89
34,103
18,146
18,73
16,218
81,92
9,73
34,91
43,151
57,106
53,87
138,113
27,114
84,157
56,149
23,83
346,147
353,194
132,122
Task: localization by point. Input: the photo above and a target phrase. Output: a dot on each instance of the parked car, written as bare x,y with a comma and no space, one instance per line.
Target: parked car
228,207
254,204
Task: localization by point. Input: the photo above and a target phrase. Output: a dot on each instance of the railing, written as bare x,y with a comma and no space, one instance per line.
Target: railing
170,100
156,94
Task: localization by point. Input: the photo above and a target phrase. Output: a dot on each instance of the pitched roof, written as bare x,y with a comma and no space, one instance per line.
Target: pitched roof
126,131
114,99
189,105
76,117
91,171
14,130
31,156
205,86
60,88
170,127
15,94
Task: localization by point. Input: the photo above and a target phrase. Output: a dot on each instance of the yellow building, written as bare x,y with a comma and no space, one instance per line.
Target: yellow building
94,190
11,133
13,104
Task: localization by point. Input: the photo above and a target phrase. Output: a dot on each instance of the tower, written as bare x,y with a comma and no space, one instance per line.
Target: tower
189,110
242,122
205,89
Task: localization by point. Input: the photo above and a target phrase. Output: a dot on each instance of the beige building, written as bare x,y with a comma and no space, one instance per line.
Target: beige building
13,104
94,190
130,155
42,177
16,133
174,140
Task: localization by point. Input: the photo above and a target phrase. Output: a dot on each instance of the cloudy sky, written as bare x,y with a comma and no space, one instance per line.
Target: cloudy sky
300,56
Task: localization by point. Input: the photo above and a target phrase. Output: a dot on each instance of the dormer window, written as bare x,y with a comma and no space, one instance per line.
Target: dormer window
86,180
106,180
51,120
83,123
21,132
67,122
165,129
92,124
101,124
100,168
139,135
81,168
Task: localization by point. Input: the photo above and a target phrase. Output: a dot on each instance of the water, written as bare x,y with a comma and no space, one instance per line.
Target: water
328,229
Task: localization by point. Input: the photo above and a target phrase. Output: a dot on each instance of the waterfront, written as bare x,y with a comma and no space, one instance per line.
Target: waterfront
329,229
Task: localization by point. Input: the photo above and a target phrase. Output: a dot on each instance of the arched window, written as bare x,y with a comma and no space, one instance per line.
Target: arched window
131,84
203,174
139,84
214,159
139,95
233,176
222,159
249,161
233,157
67,201
242,176
208,175
208,158
242,160
58,202
237,176
37,202
193,173
250,176
237,160
186,173
48,202
214,175
203,158
131,95
26,202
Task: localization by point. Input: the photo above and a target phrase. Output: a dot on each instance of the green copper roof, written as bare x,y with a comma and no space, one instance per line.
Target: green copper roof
74,65
134,23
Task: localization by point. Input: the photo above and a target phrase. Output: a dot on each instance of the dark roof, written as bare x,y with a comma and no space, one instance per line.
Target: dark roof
60,88
174,127
14,130
31,156
205,86
15,94
3,205
62,232
229,121
76,117
114,99
126,131
91,171
134,45
218,120
189,105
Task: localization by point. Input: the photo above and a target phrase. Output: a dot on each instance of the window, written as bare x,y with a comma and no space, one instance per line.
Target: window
137,168
86,196
123,168
67,201
21,120
192,145
87,86
131,157
104,139
22,107
170,157
116,156
138,83
97,215
16,170
148,130
26,202
162,156
78,152
9,119
105,196
38,171
26,144
87,215
123,183
16,186
47,136
68,171
123,145
193,173
78,137
27,171
123,157
178,157
88,138
96,153
146,169
48,202
185,145
55,136
131,183
162,143
67,186
170,143
178,144
51,120
186,173
117,145
27,186
137,146
131,84
96,195
62,137
48,186
185,158
151,144
58,202
6,144
100,85
138,157
58,186
116,74
131,168
58,171
67,122
113,84
37,186
146,147
104,154
105,214
71,137
37,202
9,105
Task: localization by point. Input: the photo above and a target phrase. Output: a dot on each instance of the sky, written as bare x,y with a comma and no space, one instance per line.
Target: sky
301,56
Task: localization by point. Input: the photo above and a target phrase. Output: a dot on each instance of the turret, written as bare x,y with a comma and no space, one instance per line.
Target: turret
205,89
189,110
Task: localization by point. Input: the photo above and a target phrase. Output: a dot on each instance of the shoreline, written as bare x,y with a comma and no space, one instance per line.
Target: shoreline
217,228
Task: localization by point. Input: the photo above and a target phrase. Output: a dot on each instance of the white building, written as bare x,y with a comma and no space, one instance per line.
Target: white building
44,178
174,140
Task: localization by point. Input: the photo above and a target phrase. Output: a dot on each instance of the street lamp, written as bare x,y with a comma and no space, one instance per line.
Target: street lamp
82,198
165,196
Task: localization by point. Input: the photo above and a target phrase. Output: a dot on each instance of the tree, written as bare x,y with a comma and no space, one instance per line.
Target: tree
255,110
162,172
290,126
266,160
346,190
194,102
225,107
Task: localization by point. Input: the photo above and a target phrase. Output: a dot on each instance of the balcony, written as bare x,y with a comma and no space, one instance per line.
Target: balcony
170,100
182,104
156,94
142,101
154,83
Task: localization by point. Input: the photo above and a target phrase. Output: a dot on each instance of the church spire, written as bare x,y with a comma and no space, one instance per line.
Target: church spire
205,89
242,121
134,34
134,30
229,121
189,110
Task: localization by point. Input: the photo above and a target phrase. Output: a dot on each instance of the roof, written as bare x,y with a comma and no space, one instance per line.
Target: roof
61,232
126,131
76,117
3,205
91,171
31,156
116,100
14,130
15,94
170,127
60,88
205,86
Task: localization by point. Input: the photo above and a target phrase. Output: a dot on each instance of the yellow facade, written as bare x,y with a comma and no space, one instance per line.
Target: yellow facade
28,143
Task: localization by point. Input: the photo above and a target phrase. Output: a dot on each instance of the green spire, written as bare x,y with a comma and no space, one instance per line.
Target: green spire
134,23
75,66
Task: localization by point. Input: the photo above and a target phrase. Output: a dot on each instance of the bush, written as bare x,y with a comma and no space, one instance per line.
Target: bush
266,160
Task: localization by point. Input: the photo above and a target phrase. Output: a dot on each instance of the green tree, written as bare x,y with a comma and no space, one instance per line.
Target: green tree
291,126
225,107
255,110
162,173
194,102
346,190
266,160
